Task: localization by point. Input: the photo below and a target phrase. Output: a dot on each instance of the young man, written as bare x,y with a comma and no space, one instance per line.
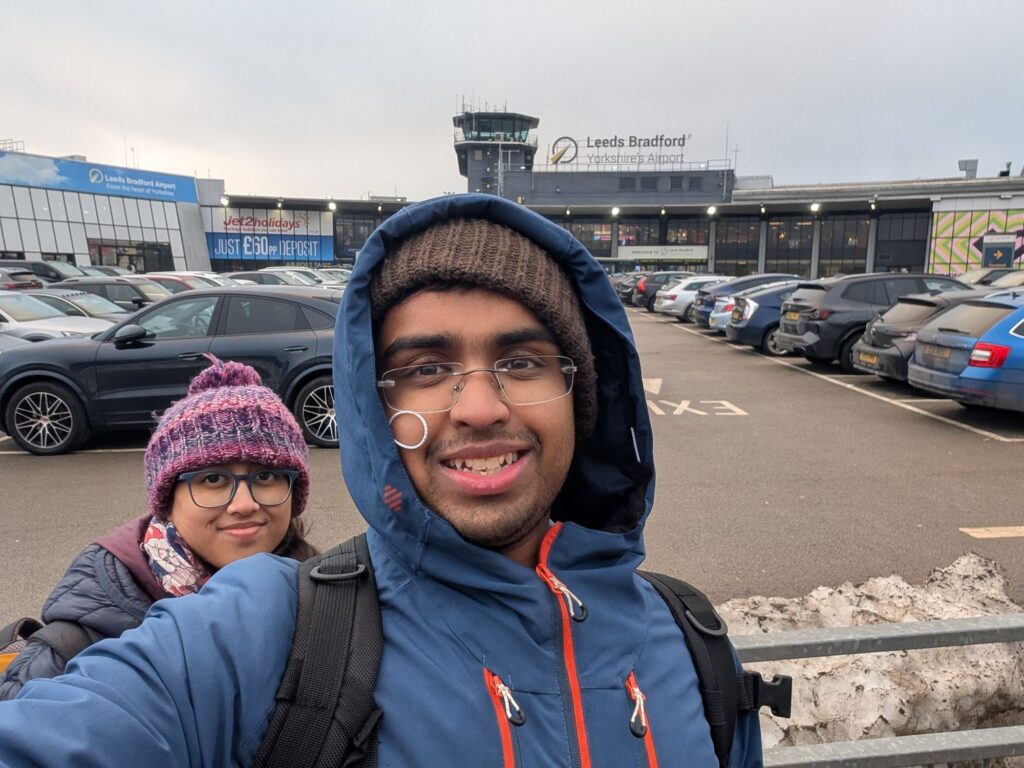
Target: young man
495,436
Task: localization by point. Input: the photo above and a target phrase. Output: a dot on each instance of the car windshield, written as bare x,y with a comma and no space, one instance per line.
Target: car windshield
26,308
969,319
300,279
153,290
65,269
810,295
94,305
909,311
1011,280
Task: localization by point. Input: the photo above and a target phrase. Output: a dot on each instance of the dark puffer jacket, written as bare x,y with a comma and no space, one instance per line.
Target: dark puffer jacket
108,588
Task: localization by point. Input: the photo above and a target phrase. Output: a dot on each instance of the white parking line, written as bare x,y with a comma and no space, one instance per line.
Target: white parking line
852,387
924,400
995,532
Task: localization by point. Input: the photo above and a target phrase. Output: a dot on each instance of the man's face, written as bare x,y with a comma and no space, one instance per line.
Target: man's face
490,468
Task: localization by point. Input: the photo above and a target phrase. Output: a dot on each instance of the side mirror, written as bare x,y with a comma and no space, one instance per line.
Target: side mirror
127,334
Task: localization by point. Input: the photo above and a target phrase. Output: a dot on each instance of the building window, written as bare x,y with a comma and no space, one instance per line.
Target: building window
649,184
638,232
695,183
596,236
788,249
736,243
675,183
350,233
687,232
627,184
844,245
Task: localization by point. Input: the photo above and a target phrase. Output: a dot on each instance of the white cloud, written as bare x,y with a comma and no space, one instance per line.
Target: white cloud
25,169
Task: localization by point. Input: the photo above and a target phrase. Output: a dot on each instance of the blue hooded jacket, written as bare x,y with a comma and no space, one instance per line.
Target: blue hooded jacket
474,642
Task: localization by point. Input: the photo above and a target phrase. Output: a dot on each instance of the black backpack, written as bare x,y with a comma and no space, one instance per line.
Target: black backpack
66,638
325,715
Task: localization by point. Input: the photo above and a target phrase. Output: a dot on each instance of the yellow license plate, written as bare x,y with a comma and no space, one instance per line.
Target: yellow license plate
736,315
868,359
794,316
713,322
933,350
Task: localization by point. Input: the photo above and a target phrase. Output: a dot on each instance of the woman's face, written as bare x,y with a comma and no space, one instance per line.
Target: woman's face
234,530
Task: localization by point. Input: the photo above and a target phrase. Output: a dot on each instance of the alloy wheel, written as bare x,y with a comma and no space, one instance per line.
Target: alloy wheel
318,413
43,420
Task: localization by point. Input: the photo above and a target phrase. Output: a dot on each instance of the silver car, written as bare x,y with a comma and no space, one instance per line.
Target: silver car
677,298
28,318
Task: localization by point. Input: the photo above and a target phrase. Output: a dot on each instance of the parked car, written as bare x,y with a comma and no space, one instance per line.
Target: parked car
119,378
646,289
624,287
319,277
179,283
102,270
889,340
13,279
130,292
340,274
823,319
676,299
984,275
755,318
29,318
707,296
1014,279
259,277
47,271
216,278
725,306
80,304
10,342
974,353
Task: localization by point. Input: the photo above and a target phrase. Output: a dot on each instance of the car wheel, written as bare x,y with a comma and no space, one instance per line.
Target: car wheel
650,304
687,315
770,343
314,410
819,360
846,356
46,418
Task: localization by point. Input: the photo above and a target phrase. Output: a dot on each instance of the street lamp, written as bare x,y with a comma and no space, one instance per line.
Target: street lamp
615,211
280,202
712,210
332,206
224,200
815,207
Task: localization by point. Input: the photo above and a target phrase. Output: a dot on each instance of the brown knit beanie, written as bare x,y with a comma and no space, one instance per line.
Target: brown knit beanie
480,253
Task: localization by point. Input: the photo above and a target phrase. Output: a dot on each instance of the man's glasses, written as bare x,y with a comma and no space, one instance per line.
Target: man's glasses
212,488
435,387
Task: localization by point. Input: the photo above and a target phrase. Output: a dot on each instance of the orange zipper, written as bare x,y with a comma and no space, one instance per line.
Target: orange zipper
571,608
507,711
639,725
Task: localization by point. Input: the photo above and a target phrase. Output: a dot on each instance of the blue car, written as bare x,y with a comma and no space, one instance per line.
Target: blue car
755,319
706,297
974,353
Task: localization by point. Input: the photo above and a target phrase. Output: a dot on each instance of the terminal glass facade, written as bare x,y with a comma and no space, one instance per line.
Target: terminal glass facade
595,235
692,231
789,245
639,232
351,231
844,245
736,245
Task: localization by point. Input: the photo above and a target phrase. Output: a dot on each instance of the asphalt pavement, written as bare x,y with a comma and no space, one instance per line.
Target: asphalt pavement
774,476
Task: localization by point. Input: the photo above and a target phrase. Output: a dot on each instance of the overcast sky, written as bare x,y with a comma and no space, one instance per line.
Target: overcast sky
347,99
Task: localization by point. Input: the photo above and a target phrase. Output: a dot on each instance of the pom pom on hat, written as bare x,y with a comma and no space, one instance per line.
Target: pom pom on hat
227,417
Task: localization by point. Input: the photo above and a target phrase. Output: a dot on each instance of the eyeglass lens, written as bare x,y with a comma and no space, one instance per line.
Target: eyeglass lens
215,489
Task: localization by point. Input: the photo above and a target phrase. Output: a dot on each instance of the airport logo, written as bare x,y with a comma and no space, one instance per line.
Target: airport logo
564,150
96,176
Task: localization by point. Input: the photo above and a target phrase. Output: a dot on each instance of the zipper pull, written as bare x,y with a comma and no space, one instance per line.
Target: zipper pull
638,722
577,610
513,711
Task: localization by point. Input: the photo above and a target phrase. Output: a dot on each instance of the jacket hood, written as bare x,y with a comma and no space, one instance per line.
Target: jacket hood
610,485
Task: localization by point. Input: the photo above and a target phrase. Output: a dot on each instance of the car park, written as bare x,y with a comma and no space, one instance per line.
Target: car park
645,291
105,270
676,299
974,353
317,276
13,279
889,340
984,275
130,292
823,319
260,277
179,283
707,296
47,271
340,274
624,286
755,318
80,304
53,398
28,318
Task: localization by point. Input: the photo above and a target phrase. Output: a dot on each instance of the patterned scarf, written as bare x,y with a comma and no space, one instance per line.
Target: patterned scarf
175,566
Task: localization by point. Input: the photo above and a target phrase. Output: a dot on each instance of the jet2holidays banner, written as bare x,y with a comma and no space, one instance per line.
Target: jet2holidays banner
54,173
258,234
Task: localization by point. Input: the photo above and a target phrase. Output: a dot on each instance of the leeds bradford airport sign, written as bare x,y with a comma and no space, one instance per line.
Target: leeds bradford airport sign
53,173
639,150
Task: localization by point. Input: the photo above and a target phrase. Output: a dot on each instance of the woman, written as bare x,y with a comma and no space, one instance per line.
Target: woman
227,474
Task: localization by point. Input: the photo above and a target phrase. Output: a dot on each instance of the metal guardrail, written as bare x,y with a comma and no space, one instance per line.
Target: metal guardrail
898,751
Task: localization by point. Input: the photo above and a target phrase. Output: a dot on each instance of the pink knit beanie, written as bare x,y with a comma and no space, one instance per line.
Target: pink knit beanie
228,416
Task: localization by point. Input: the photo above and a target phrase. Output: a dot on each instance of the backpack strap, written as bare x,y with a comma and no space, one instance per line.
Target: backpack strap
67,638
325,713
14,637
726,690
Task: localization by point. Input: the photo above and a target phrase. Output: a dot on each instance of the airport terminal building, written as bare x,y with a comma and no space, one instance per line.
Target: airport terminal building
634,200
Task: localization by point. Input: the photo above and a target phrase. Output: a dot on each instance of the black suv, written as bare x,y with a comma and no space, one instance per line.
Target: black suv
53,395
130,292
823,319
47,271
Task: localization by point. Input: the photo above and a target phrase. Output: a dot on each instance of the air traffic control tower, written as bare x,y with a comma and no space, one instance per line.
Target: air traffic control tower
490,145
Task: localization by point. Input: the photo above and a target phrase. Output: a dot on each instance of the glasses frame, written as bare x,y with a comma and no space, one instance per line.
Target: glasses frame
187,477
567,370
